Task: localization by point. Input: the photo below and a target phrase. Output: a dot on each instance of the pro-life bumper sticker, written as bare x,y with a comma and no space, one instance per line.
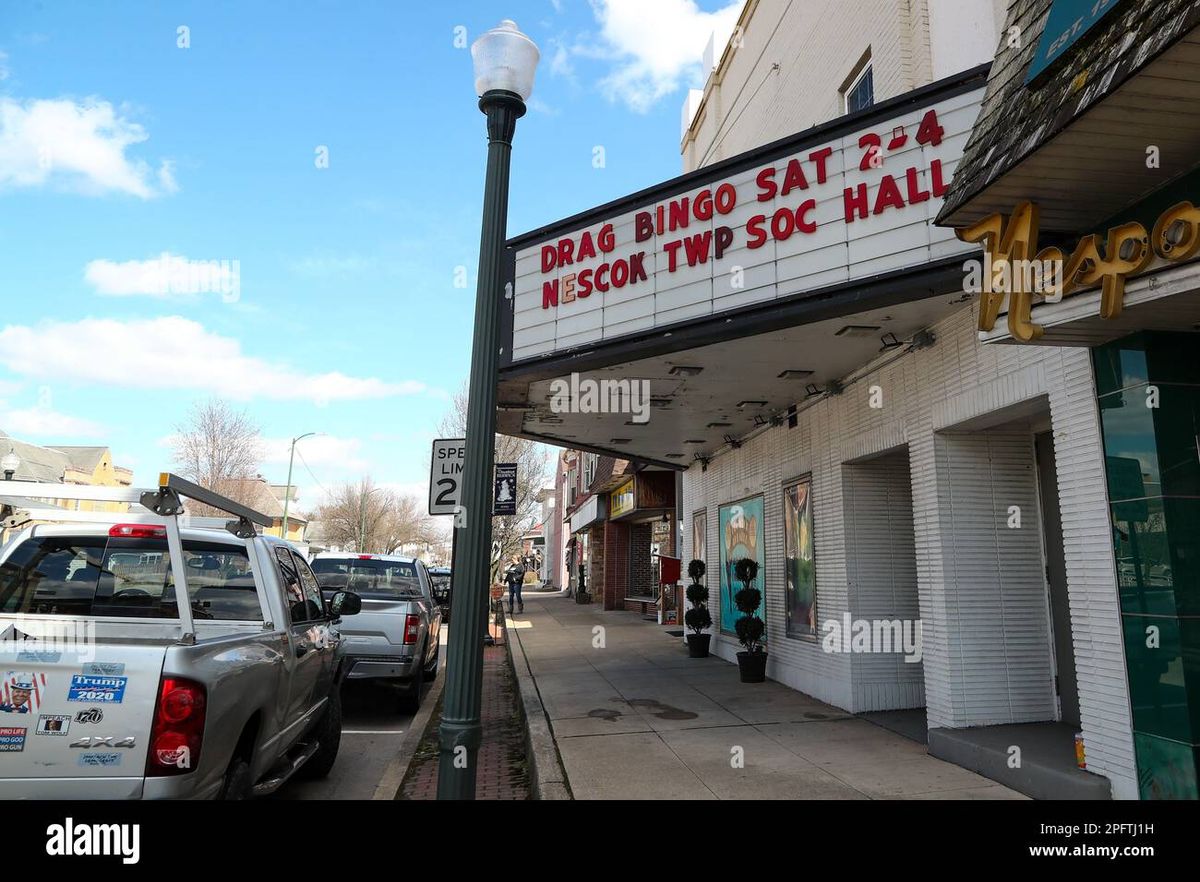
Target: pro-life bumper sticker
97,690
12,739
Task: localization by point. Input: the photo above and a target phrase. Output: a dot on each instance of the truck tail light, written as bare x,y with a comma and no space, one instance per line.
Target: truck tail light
137,531
178,728
412,629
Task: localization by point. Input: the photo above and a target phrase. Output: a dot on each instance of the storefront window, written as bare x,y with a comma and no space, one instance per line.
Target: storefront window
798,542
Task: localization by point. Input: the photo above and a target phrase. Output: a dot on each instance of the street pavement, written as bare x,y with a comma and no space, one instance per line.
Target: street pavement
634,718
373,739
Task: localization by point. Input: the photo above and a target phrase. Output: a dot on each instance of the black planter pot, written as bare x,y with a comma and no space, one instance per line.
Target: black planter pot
752,666
698,645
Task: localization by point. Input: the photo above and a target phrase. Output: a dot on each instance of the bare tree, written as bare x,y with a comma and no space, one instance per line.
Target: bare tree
373,519
531,459
218,447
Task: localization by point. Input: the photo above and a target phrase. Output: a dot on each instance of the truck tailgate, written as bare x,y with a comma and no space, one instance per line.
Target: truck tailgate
380,624
75,714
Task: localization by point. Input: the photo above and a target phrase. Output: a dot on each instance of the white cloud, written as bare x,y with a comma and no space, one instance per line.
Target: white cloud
43,422
175,353
168,275
80,146
655,45
560,60
318,451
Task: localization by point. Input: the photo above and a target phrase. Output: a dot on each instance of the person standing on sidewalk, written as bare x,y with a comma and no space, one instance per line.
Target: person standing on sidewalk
514,577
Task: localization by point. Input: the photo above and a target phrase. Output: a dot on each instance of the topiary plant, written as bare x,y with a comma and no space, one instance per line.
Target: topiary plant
697,618
749,628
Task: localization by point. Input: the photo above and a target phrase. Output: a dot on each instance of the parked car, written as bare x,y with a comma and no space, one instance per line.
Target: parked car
395,639
440,576
111,690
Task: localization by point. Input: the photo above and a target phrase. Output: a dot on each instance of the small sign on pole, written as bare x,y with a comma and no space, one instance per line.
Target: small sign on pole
445,475
504,495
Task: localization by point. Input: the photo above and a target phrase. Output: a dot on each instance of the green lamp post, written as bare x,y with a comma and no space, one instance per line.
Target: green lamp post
505,60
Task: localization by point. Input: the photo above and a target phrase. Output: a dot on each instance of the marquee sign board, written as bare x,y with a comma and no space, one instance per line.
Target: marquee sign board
830,212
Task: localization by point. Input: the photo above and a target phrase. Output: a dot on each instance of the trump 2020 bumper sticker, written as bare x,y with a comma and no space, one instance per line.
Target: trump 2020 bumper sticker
97,690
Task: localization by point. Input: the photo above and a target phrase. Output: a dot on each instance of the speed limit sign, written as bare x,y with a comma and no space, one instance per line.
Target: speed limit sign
445,475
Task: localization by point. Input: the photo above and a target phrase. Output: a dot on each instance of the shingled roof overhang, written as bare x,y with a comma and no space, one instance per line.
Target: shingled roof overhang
1077,140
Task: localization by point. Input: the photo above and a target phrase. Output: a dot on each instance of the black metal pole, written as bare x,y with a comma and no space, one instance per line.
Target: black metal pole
460,731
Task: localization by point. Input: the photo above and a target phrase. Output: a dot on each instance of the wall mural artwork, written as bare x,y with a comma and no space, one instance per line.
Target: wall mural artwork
740,535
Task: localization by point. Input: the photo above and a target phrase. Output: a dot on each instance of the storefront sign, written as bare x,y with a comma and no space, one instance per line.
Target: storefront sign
1014,268
590,512
622,500
1067,22
827,213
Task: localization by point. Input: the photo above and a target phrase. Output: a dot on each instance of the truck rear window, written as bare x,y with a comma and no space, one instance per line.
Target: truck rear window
127,578
373,579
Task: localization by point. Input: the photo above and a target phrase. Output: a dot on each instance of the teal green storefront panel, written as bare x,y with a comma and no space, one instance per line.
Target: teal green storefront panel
1148,388
1166,769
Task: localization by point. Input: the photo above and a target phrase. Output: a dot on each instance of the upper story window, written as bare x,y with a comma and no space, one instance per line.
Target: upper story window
860,93
589,469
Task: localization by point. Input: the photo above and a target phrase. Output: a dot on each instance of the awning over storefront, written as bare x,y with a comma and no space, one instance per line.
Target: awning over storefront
670,324
1114,118
1081,180
592,511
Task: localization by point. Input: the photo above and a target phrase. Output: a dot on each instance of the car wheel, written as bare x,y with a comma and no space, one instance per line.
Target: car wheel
328,733
237,784
410,701
431,672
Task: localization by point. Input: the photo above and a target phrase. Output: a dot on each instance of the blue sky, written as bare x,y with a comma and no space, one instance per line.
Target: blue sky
118,146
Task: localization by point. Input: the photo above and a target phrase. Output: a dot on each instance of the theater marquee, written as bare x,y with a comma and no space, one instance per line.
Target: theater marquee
809,216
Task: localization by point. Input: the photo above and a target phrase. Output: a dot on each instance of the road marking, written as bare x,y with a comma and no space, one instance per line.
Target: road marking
372,731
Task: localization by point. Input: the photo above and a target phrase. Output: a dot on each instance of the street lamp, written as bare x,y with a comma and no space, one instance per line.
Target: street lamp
10,463
505,60
287,490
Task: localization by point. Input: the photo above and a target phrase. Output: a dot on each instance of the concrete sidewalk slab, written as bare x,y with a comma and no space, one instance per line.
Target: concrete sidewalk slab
633,717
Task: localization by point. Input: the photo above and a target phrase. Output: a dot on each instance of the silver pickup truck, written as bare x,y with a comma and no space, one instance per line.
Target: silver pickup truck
395,639
142,659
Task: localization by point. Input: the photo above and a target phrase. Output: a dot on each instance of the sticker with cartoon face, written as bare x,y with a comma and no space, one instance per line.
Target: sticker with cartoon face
21,692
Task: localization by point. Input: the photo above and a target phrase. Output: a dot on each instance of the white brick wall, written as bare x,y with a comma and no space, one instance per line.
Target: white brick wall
981,590
796,56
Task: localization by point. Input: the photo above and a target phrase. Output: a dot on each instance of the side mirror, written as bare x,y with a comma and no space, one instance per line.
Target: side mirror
344,603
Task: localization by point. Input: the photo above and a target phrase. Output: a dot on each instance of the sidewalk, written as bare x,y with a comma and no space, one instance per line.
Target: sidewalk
635,718
502,773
